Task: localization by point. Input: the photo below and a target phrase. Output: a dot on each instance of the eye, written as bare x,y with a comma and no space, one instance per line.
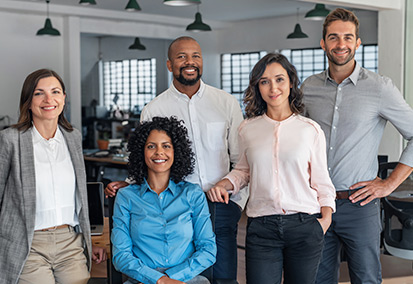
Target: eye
167,146
196,56
56,92
181,56
37,94
150,146
279,80
264,82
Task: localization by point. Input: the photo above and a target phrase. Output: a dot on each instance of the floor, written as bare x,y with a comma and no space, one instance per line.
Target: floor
395,270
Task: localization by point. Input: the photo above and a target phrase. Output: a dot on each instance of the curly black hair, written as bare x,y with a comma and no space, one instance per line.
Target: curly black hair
184,160
254,104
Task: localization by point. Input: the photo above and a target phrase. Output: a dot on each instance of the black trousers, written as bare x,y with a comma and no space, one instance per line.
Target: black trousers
289,243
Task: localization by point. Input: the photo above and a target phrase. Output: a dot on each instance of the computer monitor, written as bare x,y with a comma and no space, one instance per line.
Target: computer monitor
95,195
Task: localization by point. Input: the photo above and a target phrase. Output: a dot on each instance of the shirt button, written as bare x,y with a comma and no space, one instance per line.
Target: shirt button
336,107
329,169
339,88
334,127
331,148
276,171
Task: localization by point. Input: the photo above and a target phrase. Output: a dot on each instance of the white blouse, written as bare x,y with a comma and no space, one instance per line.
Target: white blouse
55,182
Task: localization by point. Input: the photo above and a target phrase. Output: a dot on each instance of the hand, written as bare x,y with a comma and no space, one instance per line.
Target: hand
113,187
371,190
218,194
325,220
166,280
98,254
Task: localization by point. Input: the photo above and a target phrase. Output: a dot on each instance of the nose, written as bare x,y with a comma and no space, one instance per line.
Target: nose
189,60
341,42
48,97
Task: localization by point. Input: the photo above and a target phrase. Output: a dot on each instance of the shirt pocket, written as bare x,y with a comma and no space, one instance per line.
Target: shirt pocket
216,135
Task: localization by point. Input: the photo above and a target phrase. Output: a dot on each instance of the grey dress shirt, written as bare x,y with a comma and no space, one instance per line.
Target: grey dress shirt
353,115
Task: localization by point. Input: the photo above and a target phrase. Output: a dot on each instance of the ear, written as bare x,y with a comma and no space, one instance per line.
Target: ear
322,44
358,42
169,65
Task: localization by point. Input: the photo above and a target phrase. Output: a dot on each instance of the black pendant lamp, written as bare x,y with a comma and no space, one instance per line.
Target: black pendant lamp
137,45
48,28
298,33
318,13
133,6
87,2
198,25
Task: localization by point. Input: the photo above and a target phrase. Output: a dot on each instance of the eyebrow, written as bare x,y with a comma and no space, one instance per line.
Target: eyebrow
336,34
278,75
38,89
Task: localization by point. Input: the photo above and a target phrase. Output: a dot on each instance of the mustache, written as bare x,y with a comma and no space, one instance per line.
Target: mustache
191,66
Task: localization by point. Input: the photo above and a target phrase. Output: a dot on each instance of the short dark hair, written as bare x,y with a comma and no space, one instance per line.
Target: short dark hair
254,104
340,14
184,161
177,40
29,85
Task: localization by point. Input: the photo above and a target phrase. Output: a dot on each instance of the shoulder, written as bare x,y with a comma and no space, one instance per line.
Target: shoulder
314,80
10,133
192,190
251,122
220,95
311,124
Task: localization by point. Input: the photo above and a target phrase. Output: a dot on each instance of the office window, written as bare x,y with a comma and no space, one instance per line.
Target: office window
235,71
310,61
129,84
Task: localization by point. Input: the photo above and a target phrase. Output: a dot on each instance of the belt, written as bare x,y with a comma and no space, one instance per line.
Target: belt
344,194
53,228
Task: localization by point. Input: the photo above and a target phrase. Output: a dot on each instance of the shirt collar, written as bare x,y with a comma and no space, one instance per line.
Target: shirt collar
37,137
353,76
199,93
171,187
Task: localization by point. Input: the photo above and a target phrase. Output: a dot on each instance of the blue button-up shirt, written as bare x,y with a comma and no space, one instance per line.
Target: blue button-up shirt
353,115
169,232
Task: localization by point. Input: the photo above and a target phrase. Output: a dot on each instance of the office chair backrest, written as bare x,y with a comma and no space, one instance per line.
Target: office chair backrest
398,217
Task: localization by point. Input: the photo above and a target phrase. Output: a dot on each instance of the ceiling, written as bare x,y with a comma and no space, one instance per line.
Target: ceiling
213,10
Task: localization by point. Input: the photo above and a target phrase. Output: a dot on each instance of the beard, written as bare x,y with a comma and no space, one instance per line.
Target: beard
344,61
188,82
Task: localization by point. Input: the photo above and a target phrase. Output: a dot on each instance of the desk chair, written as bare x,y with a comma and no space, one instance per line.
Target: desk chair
398,220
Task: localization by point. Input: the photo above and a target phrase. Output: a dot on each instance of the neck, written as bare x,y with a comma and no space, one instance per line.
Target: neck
279,114
187,90
339,73
46,129
158,182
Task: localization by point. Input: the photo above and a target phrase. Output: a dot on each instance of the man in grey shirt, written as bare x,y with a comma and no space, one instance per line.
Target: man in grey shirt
352,106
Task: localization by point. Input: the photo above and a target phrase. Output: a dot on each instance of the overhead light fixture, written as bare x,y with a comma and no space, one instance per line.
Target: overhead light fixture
132,6
198,25
318,13
48,28
87,2
137,45
181,2
298,33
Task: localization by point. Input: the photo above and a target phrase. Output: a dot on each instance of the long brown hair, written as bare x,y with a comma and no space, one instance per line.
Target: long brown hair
254,104
25,116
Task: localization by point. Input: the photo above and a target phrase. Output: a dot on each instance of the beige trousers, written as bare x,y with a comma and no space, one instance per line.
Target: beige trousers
56,257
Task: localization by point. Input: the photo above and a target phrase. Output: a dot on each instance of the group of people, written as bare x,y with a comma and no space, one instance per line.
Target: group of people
305,159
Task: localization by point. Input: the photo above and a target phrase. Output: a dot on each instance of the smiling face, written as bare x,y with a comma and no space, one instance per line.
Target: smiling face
340,43
185,62
48,101
274,86
159,153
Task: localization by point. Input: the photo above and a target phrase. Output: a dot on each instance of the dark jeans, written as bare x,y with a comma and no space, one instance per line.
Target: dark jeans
225,219
292,243
356,229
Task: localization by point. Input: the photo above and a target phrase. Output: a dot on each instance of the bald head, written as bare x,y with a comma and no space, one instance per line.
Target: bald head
178,40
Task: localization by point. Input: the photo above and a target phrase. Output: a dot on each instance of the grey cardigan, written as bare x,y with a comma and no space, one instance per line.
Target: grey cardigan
18,198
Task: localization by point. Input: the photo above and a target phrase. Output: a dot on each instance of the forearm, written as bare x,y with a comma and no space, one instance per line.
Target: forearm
397,176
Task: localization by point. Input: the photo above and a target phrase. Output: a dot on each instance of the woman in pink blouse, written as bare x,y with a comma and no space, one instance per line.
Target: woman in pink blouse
283,159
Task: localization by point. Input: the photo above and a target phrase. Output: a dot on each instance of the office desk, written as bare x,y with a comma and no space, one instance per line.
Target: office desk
95,166
100,270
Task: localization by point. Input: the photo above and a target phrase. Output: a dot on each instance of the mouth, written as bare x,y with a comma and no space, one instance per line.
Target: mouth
159,161
189,70
341,52
274,97
49,108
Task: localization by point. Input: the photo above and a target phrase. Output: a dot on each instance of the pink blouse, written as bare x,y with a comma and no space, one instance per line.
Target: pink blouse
285,164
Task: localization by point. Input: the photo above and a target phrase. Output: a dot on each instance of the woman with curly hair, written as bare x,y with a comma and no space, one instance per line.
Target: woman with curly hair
162,231
283,158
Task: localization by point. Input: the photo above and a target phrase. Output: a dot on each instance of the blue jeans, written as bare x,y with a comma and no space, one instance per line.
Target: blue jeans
225,219
292,243
356,229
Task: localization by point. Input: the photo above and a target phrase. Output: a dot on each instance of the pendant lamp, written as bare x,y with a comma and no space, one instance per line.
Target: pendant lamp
87,2
48,28
298,33
318,13
181,2
132,6
198,25
137,45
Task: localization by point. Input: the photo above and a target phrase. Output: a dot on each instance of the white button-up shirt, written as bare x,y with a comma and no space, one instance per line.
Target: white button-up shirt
212,117
55,182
